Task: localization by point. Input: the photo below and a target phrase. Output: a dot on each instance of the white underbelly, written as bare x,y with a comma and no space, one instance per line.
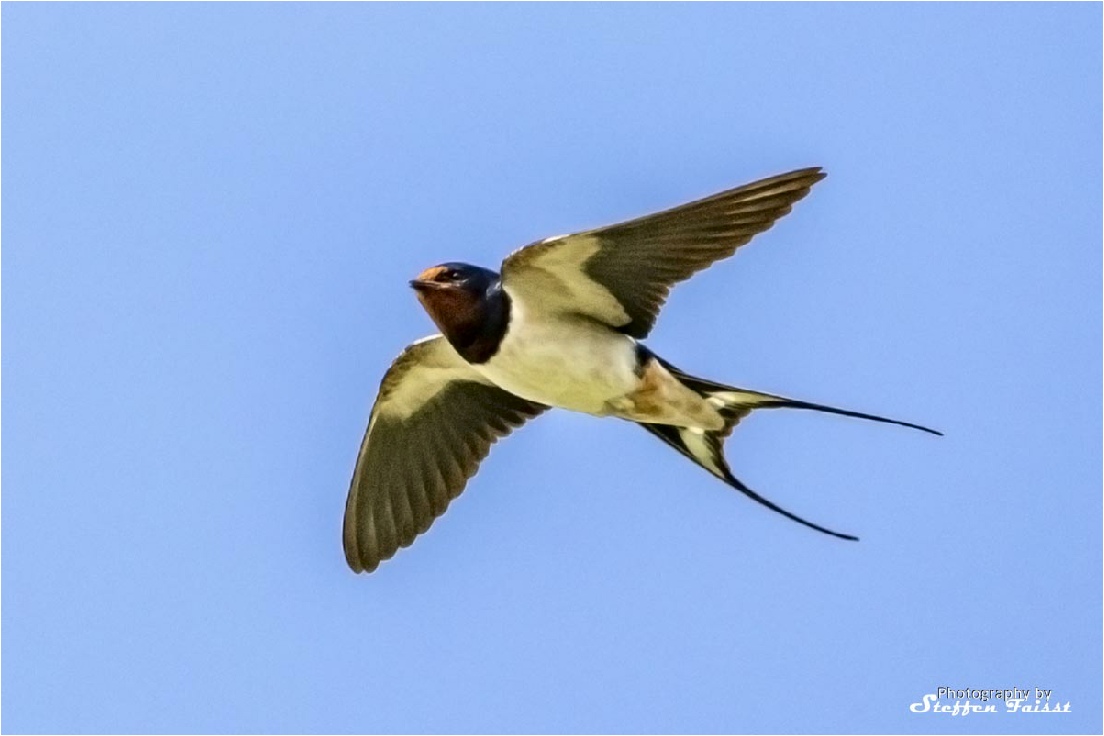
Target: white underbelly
572,363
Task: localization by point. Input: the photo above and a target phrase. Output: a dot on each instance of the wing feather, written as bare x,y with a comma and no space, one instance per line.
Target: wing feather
622,274
434,421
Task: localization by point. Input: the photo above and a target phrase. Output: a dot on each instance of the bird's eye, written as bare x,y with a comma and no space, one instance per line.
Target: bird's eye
450,275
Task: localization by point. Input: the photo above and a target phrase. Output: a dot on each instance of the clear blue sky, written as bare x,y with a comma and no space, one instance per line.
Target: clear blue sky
210,214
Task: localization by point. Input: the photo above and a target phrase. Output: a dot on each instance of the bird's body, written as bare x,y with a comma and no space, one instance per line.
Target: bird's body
576,363
562,360
560,326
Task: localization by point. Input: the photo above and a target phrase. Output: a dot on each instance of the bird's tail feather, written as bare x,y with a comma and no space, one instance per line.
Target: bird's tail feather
706,448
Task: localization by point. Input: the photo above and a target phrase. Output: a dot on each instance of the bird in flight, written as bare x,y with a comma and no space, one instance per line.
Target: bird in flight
560,326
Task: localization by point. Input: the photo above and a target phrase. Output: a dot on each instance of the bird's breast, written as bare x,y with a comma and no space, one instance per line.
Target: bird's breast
566,361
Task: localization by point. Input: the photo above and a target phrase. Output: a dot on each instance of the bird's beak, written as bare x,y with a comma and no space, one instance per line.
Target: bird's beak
420,285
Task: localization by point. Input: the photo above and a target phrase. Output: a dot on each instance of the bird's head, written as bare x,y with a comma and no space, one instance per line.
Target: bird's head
455,295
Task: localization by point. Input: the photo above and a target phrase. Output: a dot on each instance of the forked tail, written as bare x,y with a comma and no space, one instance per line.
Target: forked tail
706,448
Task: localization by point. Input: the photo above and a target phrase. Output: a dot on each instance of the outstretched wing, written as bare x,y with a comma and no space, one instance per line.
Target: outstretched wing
621,274
434,421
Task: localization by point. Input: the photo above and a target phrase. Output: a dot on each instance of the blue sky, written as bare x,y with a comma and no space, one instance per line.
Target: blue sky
210,214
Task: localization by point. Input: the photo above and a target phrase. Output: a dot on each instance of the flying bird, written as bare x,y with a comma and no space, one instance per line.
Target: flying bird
560,326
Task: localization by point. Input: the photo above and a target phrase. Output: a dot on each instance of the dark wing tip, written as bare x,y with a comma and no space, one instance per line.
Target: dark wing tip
814,172
354,562
349,534
359,559
811,174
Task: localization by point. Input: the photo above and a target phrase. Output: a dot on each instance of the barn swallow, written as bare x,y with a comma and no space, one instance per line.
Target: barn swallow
560,326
